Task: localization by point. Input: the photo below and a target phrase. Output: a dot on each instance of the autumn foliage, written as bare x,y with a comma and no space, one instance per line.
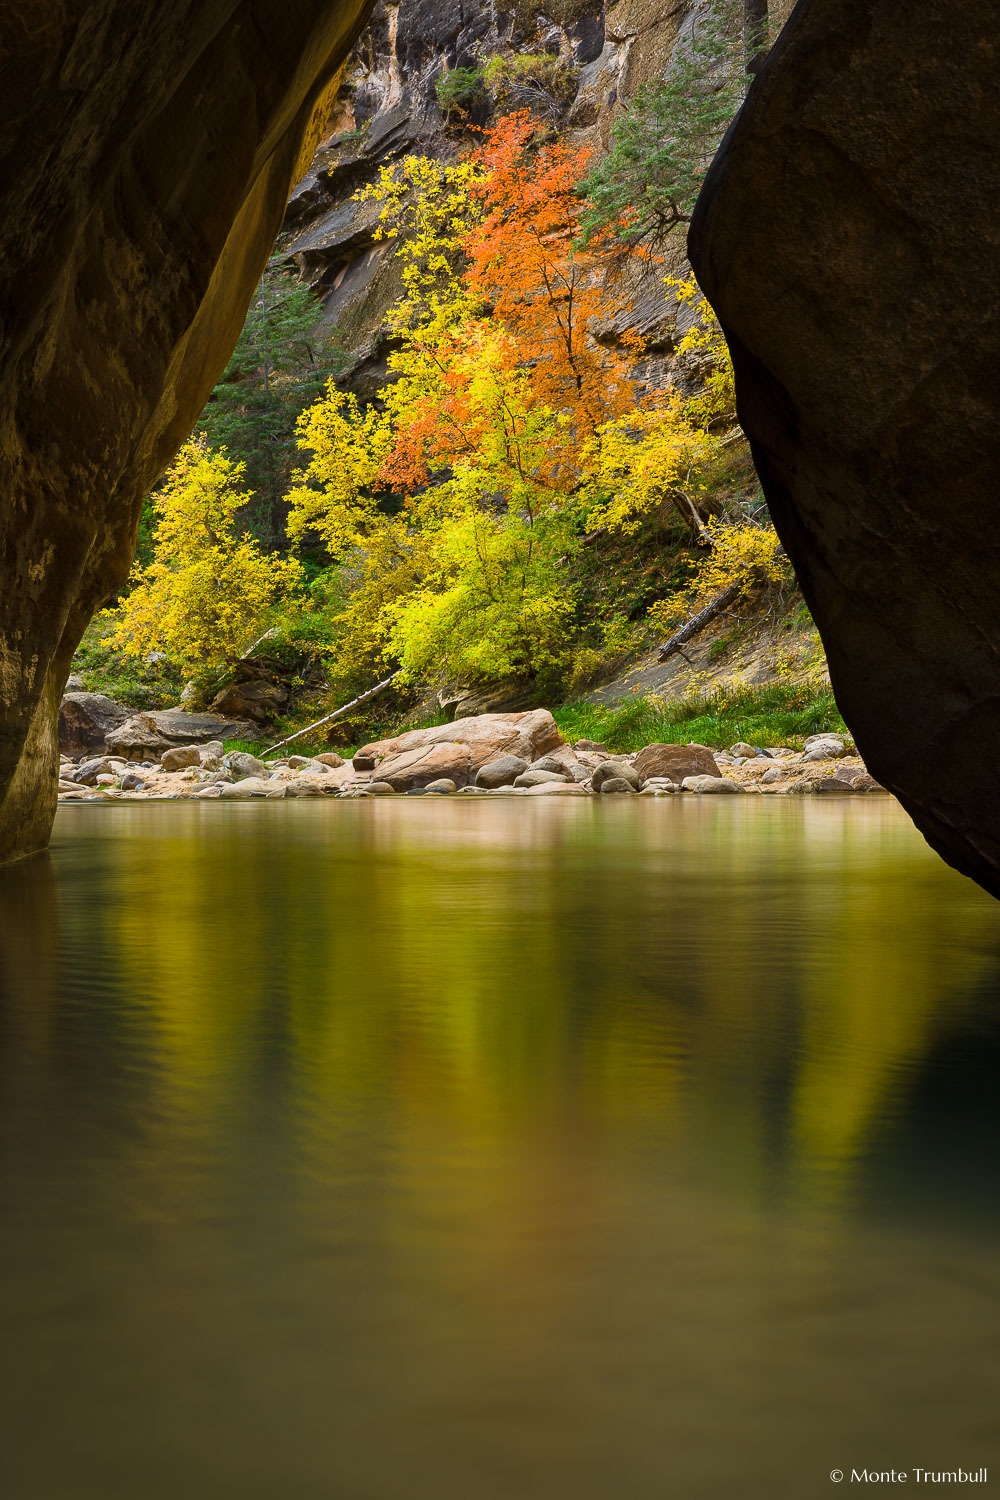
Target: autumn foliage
453,509
209,590
507,428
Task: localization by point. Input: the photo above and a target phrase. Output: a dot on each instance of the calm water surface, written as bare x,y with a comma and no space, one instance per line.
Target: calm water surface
422,1150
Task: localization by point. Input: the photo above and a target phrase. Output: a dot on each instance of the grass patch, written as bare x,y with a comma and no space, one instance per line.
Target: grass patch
773,715
248,747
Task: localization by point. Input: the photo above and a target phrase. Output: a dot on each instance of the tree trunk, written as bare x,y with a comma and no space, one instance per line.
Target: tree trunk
704,617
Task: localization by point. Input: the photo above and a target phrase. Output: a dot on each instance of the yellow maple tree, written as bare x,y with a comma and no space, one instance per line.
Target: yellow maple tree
209,590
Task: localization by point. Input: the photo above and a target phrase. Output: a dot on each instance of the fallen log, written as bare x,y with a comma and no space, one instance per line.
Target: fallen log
337,714
704,617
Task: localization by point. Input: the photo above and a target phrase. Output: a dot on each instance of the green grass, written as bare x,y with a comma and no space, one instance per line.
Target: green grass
249,747
774,715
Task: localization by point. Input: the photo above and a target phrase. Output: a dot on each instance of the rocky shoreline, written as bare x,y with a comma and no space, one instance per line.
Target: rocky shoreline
488,755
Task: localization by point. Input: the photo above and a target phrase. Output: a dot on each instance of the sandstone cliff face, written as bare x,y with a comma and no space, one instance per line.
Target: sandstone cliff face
147,153
388,108
847,237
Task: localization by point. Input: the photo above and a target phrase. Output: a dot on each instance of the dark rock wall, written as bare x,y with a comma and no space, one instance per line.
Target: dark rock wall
147,154
849,239
388,108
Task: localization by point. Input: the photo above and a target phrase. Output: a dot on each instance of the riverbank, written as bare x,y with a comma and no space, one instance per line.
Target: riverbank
487,755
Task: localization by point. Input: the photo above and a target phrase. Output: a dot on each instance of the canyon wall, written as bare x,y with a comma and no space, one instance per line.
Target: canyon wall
148,151
847,236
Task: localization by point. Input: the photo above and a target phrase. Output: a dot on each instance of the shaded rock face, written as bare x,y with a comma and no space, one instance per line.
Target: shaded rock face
148,735
86,719
147,152
388,109
847,237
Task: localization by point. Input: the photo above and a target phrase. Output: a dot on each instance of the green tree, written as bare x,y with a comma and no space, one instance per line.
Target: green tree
209,590
281,363
661,146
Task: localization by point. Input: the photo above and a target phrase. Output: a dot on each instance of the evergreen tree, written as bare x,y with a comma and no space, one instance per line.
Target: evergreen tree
661,146
280,365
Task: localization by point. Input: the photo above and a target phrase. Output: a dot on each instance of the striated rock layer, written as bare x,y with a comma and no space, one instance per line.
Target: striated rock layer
147,155
847,235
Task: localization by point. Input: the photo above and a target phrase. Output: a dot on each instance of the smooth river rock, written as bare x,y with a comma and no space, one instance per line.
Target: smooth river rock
674,762
501,772
483,738
616,770
847,237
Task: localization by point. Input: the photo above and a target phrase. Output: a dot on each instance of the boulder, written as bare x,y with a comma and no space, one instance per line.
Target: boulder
846,236
557,789
565,762
363,762
259,700
616,785
615,770
711,786
743,750
832,786
675,762
146,735
87,772
774,774
534,777
303,787
379,789
329,758
825,750
86,719
501,772
251,786
180,757
858,778
496,698
423,764
822,739
591,746
485,738
444,784
132,783
243,765
548,763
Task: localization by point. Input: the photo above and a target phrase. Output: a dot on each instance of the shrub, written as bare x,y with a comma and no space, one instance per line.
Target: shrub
459,90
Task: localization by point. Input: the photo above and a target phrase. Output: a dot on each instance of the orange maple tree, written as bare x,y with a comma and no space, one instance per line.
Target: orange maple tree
546,290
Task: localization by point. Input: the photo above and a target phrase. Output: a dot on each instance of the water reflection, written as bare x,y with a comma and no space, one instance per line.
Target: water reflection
404,1149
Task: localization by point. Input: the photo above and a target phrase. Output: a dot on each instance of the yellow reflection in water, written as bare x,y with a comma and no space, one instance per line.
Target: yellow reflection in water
681,969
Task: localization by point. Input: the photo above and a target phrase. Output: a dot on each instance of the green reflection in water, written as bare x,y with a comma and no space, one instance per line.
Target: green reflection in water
464,1149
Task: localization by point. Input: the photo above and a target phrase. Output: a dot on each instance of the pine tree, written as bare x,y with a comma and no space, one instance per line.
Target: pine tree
281,363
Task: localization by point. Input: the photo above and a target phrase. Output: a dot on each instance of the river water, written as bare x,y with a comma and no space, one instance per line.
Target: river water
430,1150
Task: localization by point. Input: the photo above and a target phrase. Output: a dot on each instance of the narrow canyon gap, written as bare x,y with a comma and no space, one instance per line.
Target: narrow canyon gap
848,236
148,152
